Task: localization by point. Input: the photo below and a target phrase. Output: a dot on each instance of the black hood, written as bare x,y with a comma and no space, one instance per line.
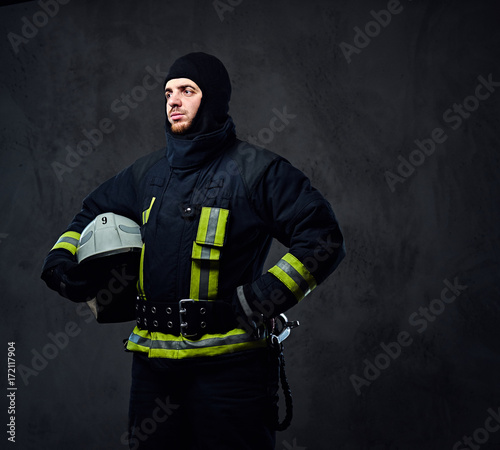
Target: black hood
211,76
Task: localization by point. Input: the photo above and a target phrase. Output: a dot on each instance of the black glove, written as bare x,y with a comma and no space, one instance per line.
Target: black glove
67,278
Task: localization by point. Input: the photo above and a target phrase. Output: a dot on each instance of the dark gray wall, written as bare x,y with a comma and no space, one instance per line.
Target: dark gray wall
353,120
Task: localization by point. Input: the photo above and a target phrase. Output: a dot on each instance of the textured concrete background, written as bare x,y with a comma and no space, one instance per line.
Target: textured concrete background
353,121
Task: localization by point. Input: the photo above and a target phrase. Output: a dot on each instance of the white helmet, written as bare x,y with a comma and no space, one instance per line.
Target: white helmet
109,249
108,234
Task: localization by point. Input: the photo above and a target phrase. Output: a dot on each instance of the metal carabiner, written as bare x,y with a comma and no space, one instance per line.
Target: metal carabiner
286,327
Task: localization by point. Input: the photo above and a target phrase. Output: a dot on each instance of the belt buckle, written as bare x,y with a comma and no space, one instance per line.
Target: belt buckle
182,313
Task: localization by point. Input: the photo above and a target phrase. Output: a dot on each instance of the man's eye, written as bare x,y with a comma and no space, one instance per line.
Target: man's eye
188,91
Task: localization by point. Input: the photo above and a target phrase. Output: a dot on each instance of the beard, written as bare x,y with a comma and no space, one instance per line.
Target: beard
181,128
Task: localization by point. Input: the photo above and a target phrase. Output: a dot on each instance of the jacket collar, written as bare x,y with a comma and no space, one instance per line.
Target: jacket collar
190,153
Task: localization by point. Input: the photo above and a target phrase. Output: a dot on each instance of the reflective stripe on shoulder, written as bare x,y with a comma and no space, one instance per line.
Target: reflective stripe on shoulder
68,241
294,275
160,345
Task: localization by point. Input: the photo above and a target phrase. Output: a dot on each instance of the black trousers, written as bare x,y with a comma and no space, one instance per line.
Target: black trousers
227,402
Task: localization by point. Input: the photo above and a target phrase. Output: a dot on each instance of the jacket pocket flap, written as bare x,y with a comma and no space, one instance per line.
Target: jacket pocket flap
205,252
212,226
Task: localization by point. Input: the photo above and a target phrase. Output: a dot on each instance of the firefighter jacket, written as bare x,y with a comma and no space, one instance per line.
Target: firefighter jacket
209,209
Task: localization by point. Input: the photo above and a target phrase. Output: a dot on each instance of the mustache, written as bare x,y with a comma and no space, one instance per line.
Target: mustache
177,110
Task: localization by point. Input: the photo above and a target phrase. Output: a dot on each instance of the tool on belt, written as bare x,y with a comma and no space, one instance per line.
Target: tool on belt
280,329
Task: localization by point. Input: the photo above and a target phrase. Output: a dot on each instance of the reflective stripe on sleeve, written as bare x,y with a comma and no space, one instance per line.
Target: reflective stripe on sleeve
68,241
294,275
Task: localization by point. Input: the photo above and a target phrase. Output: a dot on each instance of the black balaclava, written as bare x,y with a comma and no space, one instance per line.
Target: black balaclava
211,76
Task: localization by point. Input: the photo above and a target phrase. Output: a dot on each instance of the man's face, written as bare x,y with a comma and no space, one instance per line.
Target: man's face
183,100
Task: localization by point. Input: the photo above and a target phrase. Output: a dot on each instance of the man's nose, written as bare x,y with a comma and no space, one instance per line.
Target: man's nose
174,100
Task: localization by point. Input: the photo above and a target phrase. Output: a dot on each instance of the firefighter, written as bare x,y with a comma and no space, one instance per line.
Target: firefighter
208,206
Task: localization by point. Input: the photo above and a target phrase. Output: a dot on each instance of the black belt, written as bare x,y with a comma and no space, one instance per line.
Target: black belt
189,318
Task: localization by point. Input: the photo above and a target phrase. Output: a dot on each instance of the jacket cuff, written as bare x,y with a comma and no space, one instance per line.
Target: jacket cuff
263,299
54,258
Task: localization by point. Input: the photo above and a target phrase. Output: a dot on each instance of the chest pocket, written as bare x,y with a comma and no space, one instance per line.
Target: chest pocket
205,256
213,194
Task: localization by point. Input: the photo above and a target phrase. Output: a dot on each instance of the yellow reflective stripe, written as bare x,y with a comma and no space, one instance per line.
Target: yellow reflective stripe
145,213
194,287
160,345
205,252
209,351
301,269
203,225
204,272
209,280
220,232
212,226
204,280
68,241
294,275
205,255
140,281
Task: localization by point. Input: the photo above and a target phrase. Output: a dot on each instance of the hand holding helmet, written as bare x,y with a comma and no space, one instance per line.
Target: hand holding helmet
70,282
110,241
